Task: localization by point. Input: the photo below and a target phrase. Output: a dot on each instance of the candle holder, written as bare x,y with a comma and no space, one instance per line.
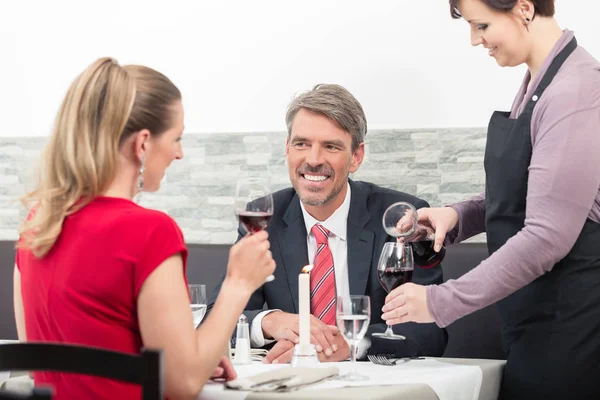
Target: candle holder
304,356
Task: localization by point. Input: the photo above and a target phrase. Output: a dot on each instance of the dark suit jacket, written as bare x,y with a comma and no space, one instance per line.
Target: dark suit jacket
365,239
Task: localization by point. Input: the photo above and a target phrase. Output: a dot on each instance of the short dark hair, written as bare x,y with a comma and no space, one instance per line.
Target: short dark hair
544,8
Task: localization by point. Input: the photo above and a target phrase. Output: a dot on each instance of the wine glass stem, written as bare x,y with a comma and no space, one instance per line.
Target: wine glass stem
353,350
389,331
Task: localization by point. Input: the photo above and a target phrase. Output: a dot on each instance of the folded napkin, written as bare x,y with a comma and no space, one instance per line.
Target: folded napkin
22,384
283,379
256,354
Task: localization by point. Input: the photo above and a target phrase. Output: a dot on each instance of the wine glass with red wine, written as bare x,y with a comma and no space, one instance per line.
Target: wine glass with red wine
395,268
253,206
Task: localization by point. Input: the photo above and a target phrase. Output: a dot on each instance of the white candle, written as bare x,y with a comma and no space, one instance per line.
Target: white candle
304,309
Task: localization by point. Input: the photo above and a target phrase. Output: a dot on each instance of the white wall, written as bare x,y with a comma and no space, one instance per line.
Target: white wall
238,62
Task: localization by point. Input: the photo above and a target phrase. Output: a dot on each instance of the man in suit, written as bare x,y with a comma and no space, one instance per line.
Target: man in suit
330,221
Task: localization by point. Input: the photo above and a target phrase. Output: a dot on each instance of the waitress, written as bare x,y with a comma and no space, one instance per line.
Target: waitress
540,210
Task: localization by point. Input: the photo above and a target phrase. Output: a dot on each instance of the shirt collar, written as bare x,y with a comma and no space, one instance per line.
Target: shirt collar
336,223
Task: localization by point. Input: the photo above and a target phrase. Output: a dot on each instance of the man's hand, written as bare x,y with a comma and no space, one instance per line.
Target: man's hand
224,370
283,351
280,325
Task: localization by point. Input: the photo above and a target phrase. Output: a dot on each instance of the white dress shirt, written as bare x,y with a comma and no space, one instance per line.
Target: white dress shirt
336,224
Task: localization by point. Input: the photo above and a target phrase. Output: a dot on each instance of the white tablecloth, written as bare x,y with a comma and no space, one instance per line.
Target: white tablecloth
449,381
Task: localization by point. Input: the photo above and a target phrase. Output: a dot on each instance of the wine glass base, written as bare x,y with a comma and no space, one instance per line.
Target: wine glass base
269,278
352,376
389,336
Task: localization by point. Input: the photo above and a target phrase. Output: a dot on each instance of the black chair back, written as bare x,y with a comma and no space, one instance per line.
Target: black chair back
145,369
36,394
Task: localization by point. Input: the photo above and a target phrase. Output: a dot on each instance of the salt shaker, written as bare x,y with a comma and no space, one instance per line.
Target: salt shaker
242,342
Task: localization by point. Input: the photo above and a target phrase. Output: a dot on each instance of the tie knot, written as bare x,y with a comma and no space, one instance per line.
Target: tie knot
321,233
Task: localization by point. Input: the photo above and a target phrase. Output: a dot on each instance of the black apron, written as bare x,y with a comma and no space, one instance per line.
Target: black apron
551,327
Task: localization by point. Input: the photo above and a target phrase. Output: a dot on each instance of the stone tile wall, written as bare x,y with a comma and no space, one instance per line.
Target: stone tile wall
438,165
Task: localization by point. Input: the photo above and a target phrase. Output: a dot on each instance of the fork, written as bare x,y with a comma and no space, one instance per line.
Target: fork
272,384
384,360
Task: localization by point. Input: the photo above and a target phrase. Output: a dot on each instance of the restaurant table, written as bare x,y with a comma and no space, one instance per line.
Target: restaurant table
491,376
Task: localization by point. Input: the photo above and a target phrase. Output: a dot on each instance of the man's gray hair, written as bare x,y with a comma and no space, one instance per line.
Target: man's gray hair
336,103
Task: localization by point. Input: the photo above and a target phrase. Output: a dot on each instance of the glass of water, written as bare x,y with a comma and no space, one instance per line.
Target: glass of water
353,315
197,302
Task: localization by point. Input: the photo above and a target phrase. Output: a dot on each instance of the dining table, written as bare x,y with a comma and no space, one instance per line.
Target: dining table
428,379
431,378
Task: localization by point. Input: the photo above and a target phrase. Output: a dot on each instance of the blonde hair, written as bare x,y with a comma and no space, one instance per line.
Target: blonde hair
105,105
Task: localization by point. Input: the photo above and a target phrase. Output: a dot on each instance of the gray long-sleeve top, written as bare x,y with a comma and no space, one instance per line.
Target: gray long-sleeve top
563,190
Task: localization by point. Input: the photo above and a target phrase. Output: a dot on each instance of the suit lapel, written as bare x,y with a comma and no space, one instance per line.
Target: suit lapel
360,241
292,242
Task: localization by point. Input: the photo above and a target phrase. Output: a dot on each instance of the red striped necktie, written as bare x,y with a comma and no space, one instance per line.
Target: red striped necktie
322,278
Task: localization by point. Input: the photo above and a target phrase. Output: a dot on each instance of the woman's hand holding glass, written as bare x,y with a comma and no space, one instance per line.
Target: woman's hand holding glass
250,261
407,303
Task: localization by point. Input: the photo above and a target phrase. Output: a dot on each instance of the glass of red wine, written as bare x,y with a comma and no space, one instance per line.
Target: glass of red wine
254,206
395,268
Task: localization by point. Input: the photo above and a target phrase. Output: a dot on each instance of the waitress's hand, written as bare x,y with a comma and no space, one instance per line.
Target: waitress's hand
405,304
441,220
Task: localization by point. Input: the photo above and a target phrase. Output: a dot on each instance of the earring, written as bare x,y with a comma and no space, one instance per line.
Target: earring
140,182
528,20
